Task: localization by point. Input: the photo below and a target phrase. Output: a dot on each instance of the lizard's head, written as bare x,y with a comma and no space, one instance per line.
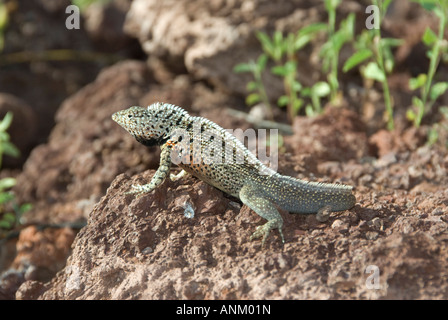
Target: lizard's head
150,125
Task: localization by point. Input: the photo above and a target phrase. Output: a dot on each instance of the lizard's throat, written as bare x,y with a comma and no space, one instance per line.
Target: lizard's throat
151,142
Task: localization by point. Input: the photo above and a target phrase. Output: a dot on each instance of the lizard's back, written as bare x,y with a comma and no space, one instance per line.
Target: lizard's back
227,164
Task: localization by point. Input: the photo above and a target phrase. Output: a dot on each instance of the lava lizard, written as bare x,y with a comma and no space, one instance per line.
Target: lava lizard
246,178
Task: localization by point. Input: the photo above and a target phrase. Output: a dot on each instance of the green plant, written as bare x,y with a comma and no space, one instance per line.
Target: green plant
256,87
8,219
429,91
371,46
283,51
292,86
6,147
318,91
331,49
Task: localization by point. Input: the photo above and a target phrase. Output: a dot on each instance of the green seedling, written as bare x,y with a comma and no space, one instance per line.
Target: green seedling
318,91
376,53
256,89
437,48
7,199
283,52
336,40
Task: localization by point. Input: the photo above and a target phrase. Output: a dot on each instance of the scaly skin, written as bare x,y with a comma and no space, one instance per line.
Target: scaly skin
244,176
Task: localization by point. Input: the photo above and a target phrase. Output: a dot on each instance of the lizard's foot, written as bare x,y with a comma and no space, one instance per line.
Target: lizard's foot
265,229
139,190
181,174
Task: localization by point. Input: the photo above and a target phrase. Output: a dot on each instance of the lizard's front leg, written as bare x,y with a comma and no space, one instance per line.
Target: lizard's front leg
160,175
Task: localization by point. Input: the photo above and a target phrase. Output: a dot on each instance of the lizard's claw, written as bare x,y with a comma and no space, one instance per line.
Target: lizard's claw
264,230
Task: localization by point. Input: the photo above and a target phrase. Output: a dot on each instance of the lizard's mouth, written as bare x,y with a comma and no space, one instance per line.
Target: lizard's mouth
153,141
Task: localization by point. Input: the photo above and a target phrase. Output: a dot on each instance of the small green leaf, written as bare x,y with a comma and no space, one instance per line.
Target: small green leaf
283,101
417,102
7,183
429,37
309,110
348,25
4,136
279,70
357,58
10,149
386,4
338,39
261,62
321,89
439,12
6,122
331,5
278,37
437,90
410,115
427,5
415,83
291,67
3,16
9,217
388,65
297,105
242,67
391,42
301,41
265,41
6,197
372,71
296,86
25,207
306,92
433,135
312,28
5,224
252,85
252,99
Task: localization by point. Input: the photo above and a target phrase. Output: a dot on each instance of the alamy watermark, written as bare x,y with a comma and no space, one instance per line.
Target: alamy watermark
219,146
373,20
373,280
73,20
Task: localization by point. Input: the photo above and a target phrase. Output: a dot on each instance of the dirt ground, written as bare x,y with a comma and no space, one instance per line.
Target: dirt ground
85,239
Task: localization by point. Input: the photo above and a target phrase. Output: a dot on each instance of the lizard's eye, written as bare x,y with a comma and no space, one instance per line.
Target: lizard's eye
129,116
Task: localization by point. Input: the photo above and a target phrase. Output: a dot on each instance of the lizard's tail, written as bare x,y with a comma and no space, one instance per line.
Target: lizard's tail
298,196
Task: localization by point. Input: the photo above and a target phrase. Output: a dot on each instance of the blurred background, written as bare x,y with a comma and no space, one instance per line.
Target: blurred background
343,81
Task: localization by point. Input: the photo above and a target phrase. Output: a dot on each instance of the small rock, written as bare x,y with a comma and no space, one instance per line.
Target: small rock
371,235
438,211
340,225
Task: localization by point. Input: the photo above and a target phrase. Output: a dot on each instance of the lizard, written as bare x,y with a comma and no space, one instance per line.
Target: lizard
259,187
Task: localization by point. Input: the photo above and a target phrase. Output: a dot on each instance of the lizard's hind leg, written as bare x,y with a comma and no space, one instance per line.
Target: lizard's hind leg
253,198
